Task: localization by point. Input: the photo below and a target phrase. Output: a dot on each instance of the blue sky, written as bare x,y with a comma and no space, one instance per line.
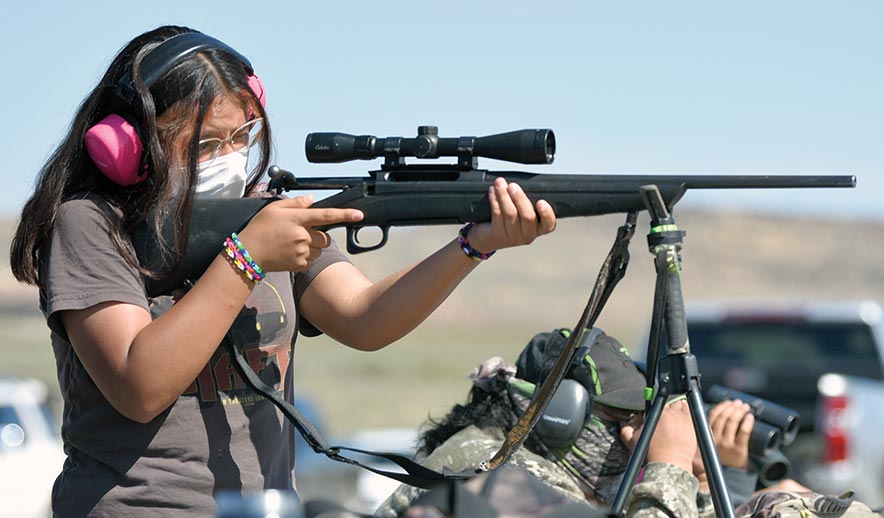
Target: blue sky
752,87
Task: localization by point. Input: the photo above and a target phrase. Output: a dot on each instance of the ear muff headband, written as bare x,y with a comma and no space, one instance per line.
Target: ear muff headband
168,54
114,143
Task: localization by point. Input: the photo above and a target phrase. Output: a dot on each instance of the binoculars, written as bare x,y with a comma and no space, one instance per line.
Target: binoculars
775,426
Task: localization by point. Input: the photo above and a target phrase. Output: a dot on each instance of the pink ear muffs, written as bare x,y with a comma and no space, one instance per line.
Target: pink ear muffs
258,89
115,145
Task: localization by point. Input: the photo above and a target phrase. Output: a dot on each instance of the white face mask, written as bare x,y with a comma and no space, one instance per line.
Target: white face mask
225,177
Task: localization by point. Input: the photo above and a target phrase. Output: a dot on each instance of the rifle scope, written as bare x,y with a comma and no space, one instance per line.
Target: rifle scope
528,146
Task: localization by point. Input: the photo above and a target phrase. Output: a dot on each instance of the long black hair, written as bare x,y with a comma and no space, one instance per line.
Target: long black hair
201,77
485,409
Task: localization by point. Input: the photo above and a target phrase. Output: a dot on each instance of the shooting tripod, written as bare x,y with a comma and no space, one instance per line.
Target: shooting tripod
678,373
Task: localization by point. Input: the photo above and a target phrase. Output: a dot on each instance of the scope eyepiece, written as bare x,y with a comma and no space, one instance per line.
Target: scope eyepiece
528,146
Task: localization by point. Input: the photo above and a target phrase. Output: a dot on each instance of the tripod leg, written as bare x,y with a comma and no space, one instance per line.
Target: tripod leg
720,496
637,459
677,372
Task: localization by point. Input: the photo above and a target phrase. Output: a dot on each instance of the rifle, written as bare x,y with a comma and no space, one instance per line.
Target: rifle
401,194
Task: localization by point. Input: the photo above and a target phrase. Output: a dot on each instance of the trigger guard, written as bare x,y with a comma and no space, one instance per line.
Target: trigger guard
353,245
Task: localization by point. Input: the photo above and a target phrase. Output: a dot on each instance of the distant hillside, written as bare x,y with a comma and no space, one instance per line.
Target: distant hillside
727,256
520,292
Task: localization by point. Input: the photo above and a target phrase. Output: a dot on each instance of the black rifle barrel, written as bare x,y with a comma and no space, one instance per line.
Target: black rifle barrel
442,196
778,181
428,195
585,183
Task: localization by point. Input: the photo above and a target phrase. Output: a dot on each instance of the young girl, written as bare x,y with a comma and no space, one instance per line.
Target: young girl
155,418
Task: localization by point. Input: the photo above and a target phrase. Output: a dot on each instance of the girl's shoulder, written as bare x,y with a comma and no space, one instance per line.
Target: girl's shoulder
87,206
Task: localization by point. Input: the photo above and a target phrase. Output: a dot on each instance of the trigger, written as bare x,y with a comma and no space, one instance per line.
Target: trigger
353,243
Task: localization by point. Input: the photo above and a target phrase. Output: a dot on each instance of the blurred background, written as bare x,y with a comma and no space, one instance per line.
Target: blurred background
793,87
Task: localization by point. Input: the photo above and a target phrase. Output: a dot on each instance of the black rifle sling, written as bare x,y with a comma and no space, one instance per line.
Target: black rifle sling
613,269
415,474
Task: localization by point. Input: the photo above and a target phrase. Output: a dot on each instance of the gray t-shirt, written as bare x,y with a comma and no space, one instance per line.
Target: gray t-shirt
217,436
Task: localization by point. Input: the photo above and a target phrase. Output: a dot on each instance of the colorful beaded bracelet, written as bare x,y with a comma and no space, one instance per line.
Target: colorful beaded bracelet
240,258
464,243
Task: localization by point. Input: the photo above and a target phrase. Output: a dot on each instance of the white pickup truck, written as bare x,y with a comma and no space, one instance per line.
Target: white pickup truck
784,351
850,421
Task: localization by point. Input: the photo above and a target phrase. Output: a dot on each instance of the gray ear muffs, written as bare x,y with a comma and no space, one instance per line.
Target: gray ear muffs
561,422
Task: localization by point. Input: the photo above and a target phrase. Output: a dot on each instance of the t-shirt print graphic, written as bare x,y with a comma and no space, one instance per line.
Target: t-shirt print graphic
263,332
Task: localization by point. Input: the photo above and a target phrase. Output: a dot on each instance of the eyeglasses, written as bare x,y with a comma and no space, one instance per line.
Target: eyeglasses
243,138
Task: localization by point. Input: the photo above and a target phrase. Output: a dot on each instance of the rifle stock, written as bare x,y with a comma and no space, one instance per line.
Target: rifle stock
434,195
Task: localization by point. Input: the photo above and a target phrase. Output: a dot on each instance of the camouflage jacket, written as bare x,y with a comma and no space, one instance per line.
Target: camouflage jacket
665,491
668,491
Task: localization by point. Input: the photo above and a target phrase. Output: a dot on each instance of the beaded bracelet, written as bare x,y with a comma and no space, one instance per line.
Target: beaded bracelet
240,258
464,243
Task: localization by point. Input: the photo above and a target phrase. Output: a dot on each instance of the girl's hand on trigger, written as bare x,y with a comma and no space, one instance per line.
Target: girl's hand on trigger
281,236
514,221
